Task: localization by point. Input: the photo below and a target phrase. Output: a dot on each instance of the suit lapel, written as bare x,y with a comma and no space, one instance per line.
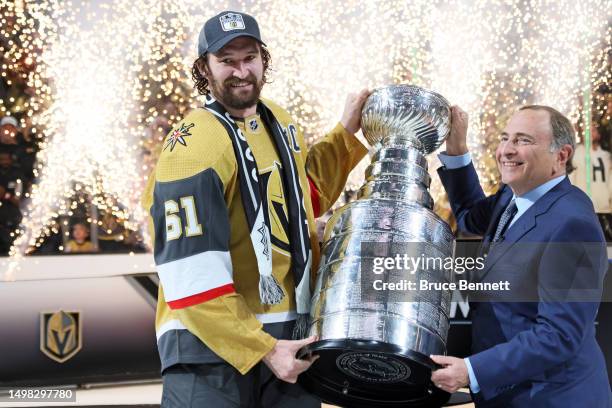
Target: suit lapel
505,195
522,226
526,222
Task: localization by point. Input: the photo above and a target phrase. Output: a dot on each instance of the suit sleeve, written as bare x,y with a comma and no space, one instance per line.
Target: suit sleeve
471,208
328,164
560,326
191,249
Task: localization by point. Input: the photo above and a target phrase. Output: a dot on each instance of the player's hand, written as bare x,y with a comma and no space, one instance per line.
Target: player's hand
351,118
456,143
282,361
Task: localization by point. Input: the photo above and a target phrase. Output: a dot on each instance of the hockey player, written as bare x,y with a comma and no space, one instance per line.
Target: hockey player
233,201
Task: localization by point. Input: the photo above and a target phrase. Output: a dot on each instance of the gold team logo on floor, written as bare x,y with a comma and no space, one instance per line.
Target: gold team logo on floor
60,335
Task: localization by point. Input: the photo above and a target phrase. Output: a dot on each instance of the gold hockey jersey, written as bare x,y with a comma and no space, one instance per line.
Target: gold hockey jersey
209,305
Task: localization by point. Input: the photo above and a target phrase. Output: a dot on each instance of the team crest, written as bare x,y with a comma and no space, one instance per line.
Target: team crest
178,136
231,21
253,124
60,335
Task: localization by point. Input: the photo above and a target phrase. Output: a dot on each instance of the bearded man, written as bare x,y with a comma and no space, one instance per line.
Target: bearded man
233,201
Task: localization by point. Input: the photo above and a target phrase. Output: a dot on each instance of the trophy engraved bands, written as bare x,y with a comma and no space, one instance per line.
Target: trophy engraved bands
374,350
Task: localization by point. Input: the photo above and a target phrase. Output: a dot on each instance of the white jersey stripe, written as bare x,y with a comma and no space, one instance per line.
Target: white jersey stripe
169,325
195,274
277,317
264,318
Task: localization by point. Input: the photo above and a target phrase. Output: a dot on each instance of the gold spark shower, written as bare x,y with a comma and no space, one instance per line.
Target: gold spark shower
110,77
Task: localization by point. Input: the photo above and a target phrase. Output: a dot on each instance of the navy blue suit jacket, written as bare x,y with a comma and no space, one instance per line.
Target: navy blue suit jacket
539,353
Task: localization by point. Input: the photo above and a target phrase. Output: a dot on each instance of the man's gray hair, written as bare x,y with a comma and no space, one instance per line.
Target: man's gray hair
562,131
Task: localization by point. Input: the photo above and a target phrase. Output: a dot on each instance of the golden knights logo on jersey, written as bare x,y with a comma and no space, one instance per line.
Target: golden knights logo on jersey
272,181
178,136
60,335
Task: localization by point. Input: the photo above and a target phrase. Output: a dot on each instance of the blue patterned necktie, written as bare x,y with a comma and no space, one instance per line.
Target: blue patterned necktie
505,219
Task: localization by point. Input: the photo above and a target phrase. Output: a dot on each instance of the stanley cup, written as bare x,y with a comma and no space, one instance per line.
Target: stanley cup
374,346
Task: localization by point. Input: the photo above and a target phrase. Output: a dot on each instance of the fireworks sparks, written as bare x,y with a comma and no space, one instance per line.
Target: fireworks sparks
107,79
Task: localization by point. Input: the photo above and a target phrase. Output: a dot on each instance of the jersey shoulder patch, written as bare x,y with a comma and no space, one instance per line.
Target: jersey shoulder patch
196,142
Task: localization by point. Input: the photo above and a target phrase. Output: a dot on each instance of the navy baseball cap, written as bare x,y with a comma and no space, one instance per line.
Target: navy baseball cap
223,28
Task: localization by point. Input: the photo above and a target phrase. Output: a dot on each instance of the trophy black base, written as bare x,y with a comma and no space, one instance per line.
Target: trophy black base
370,374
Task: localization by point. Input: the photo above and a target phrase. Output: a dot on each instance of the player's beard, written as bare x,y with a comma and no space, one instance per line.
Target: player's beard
237,98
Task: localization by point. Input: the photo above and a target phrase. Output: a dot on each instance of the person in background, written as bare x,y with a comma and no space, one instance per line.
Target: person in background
80,240
111,233
9,129
600,178
11,190
27,148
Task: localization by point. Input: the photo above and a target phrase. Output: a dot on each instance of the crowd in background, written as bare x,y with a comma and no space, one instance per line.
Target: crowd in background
87,229
17,157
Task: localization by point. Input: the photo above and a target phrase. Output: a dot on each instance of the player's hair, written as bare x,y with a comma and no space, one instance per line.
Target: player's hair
80,222
201,64
562,131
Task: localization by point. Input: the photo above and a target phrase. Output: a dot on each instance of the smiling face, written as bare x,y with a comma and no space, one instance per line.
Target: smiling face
235,74
524,156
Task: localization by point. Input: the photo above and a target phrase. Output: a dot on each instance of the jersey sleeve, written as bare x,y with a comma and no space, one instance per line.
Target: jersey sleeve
328,165
191,230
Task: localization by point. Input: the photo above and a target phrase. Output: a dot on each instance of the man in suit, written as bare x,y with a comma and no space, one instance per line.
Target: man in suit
535,348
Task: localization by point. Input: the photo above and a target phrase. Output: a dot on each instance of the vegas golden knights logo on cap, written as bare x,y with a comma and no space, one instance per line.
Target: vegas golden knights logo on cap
60,335
231,21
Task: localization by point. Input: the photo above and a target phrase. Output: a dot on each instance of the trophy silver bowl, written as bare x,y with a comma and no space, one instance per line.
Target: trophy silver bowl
374,346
